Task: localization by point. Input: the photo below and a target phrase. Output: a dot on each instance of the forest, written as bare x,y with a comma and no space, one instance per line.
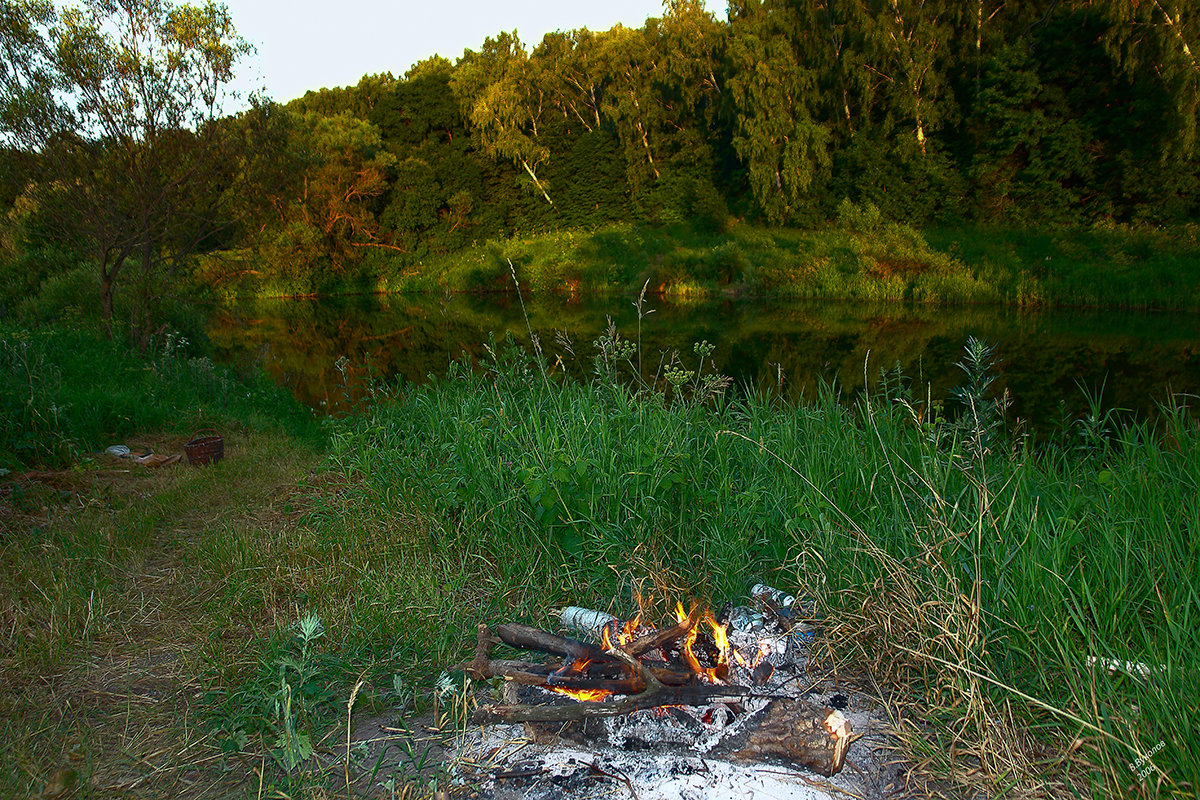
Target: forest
1043,115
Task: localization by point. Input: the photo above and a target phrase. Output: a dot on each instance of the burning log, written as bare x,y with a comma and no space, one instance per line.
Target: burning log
801,733
650,698
528,638
664,637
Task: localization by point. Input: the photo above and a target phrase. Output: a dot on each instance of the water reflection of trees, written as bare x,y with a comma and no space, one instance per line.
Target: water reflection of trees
1046,357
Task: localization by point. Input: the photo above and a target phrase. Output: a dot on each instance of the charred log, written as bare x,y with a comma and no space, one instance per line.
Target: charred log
664,637
801,733
651,698
528,638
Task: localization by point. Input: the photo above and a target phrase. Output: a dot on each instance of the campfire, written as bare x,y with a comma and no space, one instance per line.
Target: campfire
725,684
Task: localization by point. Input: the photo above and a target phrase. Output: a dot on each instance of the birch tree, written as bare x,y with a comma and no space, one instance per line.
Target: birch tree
783,144
1163,37
503,104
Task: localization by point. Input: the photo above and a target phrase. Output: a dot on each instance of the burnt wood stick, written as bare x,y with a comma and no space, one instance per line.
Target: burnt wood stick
497,667
483,649
521,672
528,638
631,685
651,698
543,675
665,636
607,667
670,677
531,674
799,732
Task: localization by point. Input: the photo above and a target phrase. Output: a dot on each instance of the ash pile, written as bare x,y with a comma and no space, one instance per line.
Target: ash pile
720,705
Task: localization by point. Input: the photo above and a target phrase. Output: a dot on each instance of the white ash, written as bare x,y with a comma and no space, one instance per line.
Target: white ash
674,770
677,753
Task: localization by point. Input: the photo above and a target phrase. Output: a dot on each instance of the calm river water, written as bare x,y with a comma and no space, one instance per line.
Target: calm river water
1048,359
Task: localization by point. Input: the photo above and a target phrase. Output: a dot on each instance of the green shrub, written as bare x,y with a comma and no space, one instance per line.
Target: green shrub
75,292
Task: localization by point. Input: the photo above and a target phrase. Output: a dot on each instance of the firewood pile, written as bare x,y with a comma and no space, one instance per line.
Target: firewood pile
704,669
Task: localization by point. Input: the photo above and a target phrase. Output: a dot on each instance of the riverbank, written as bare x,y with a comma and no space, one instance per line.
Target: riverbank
161,627
861,256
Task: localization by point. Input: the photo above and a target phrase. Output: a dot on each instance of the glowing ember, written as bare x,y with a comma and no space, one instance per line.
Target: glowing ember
661,711
582,695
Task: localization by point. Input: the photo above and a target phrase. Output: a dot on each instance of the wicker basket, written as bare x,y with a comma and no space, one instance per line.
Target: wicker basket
205,447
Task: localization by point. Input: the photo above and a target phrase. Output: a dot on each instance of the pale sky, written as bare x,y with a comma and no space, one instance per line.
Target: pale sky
309,44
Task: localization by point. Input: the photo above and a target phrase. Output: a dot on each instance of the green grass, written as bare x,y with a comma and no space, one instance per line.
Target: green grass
65,392
869,259
1099,266
967,572
860,255
975,578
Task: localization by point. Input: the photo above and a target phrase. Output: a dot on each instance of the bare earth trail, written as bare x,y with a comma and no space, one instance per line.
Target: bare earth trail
107,705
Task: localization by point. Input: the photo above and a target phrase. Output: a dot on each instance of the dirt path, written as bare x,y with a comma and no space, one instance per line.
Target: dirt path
114,710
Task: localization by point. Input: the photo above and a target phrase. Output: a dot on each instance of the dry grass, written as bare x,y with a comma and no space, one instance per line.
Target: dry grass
914,635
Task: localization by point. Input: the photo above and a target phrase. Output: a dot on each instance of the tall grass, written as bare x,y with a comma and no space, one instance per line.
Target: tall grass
987,584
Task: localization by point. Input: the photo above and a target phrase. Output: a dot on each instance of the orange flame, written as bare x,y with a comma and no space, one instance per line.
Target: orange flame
720,638
763,649
631,627
576,667
720,635
613,636
624,636
689,655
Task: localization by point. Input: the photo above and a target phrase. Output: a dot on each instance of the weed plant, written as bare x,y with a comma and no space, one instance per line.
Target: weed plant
996,593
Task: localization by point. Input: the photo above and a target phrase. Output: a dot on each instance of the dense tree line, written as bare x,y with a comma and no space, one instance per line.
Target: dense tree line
1017,112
